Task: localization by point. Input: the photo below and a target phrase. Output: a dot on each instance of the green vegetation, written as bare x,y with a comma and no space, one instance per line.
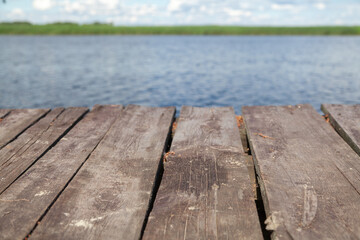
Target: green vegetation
67,28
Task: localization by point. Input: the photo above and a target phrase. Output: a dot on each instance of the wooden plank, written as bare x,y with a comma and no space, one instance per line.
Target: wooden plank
27,199
252,174
346,121
109,197
205,192
18,146
18,155
17,121
3,113
308,176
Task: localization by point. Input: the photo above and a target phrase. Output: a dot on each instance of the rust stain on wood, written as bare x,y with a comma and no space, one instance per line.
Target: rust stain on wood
166,155
174,126
264,136
326,117
239,121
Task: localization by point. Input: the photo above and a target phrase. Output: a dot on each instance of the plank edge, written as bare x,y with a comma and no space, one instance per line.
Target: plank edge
335,124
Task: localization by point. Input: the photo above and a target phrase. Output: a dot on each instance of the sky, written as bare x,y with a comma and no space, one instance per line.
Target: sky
185,12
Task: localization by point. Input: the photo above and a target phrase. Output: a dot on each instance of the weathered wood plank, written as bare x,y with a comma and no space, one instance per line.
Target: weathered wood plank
27,199
17,121
18,155
309,177
3,113
205,192
18,146
109,197
346,121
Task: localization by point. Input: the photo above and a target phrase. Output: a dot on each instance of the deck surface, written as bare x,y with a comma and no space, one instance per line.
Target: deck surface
346,121
134,173
205,191
309,176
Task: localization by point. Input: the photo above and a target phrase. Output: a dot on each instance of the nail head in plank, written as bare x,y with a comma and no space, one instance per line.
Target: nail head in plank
17,121
205,192
308,188
346,121
18,155
109,197
26,200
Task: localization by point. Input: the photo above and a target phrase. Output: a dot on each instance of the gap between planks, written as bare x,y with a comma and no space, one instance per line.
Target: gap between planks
118,209
17,121
204,135
35,142
156,183
346,121
308,174
44,174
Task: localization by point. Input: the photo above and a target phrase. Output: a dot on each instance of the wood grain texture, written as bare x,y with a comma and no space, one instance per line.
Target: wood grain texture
18,155
109,197
346,121
27,199
18,146
17,121
3,113
205,192
309,177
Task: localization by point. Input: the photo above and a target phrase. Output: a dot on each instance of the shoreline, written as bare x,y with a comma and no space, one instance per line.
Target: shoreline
108,29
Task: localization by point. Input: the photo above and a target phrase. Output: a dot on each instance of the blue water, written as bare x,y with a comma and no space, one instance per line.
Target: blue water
50,71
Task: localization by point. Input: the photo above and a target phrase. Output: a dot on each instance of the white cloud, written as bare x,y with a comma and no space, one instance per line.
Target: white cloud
110,4
282,6
178,5
71,7
237,12
142,10
320,6
90,6
178,12
43,4
17,12
339,22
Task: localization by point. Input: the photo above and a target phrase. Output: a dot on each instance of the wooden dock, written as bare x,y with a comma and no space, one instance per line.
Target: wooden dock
135,172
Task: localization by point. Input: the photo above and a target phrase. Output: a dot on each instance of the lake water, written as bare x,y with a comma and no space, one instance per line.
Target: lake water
50,71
